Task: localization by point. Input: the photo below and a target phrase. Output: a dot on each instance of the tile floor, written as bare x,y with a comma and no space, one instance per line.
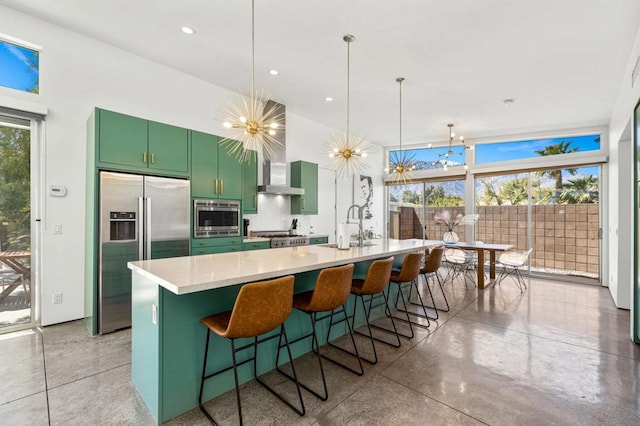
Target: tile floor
557,354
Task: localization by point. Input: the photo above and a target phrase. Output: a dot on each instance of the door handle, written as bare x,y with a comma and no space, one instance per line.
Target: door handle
153,158
144,157
215,191
303,203
140,235
148,229
221,186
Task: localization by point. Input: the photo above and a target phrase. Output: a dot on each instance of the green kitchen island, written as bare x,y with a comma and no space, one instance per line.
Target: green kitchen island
169,296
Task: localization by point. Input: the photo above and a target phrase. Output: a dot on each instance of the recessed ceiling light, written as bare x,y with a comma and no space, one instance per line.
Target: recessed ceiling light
328,99
508,102
273,72
188,30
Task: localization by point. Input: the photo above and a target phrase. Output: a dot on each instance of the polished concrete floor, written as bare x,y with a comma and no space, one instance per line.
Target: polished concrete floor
558,354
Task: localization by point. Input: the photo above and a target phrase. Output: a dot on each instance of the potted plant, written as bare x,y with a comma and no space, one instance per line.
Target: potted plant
444,218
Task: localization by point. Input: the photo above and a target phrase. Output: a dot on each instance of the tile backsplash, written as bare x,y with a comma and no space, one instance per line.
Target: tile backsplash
274,215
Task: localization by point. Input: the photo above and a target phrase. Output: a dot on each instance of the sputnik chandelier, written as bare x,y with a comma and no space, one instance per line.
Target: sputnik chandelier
445,161
401,163
252,125
346,149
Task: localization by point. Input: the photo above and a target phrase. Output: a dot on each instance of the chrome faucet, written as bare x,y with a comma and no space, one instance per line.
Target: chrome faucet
360,232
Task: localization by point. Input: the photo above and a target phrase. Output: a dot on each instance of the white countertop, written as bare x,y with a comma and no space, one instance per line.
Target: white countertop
183,275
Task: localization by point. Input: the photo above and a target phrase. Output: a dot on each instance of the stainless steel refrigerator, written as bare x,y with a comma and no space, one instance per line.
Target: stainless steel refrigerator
141,217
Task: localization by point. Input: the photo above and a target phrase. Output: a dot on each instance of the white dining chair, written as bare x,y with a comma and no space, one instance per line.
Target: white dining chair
511,262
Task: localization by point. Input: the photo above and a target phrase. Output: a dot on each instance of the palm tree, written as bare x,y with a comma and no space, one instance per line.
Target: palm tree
561,147
583,190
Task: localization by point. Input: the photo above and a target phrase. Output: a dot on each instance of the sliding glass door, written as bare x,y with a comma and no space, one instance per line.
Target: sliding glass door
16,295
554,211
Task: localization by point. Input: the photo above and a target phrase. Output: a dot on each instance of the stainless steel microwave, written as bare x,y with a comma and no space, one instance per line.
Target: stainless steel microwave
216,218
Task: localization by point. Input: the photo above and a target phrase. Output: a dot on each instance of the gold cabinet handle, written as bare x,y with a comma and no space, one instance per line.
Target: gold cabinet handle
153,158
201,251
221,186
234,249
144,157
256,245
303,203
215,191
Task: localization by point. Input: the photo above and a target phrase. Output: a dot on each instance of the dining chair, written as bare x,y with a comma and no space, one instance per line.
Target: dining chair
511,262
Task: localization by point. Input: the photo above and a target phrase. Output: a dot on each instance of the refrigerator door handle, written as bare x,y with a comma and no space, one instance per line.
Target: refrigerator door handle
140,235
147,229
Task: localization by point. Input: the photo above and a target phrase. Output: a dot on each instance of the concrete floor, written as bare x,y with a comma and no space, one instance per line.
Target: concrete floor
558,354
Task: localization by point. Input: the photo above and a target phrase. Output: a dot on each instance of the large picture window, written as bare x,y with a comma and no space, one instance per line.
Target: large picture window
20,67
504,151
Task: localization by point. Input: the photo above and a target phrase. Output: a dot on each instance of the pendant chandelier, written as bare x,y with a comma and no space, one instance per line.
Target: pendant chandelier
252,125
445,161
401,164
345,149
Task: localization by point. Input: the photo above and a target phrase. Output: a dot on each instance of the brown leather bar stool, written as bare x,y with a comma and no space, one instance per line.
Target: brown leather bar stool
330,293
259,308
373,285
430,270
408,274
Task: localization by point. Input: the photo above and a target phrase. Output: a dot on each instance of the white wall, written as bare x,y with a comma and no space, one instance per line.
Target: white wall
79,74
621,187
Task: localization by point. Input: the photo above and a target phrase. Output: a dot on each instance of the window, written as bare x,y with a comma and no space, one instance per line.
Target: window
20,67
432,158
503,151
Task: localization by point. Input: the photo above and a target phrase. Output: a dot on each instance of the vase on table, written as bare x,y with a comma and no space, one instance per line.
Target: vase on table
450,237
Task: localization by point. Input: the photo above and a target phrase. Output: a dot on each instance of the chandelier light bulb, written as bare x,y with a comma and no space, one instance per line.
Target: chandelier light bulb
272,132
273,125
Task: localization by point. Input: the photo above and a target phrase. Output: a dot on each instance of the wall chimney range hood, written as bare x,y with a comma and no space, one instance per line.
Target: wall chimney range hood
274,170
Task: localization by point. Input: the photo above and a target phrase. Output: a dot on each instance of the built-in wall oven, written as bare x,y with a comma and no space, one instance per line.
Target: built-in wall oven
216,218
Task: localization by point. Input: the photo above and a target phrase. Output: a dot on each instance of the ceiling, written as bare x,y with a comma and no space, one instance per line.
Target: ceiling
562,62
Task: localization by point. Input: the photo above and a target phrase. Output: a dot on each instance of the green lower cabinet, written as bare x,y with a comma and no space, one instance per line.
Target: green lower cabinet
223,241
256,246
318,240
198,250
215,245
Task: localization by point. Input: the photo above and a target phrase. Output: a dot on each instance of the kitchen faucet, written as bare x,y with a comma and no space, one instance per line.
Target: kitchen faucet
360,233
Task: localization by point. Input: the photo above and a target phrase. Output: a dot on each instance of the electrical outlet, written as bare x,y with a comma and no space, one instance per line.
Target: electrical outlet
57,228
57,298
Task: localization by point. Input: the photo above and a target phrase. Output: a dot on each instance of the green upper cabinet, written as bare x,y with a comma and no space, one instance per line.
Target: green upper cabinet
122,139
168,147
230,174
250,185
204,165
135,144
304,175
214,174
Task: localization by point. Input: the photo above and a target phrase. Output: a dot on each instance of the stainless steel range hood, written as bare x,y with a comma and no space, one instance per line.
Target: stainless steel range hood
274,170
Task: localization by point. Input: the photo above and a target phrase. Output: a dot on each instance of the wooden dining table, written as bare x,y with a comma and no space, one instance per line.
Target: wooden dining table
15,261
480,248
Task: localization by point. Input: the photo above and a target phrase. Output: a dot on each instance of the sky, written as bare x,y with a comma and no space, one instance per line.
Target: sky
15,69
503,151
